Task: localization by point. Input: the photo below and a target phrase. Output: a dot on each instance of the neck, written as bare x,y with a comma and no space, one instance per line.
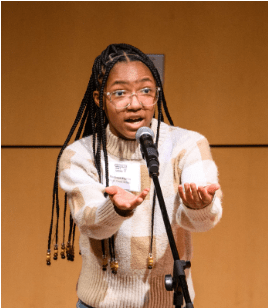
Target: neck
128,149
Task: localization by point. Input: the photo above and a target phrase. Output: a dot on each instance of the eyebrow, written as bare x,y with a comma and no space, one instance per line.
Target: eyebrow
126,82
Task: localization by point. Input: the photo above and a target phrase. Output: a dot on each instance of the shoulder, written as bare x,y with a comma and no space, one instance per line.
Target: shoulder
78,151
82,147
182,136
180,142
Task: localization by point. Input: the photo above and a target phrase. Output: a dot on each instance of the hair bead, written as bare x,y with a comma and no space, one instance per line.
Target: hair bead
72,253
48,258
150,261
62,253
68,251
55,256
114,266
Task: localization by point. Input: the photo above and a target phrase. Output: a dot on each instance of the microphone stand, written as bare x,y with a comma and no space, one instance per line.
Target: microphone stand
178,282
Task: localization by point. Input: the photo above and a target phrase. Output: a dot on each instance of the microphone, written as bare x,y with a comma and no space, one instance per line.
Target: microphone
144,136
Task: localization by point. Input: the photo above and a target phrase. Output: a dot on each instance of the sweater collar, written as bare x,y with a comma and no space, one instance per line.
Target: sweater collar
130,149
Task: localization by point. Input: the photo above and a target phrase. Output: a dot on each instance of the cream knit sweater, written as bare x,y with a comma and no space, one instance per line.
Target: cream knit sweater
184,156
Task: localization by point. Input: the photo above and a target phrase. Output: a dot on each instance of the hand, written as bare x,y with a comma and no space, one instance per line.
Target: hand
125,200
197,198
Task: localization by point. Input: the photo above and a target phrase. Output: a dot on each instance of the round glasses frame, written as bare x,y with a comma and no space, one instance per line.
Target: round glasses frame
109,94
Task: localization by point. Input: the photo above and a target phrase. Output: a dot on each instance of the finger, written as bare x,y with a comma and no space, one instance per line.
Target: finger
135,202
144,193
205,196
196,197
140,198
188,193
212,188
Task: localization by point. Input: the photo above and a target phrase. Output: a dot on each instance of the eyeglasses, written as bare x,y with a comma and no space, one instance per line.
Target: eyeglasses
122,98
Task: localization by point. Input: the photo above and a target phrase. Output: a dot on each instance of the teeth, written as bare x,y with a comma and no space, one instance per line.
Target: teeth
134,120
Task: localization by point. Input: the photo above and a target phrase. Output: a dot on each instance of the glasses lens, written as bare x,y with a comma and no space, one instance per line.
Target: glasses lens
146,96
120,98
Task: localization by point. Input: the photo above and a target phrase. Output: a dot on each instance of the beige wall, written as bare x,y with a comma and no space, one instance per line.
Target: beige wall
216,74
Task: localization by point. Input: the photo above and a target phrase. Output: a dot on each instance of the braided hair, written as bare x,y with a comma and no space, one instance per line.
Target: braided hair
92,120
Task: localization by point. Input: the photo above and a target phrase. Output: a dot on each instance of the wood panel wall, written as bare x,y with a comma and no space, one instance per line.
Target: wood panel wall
216,72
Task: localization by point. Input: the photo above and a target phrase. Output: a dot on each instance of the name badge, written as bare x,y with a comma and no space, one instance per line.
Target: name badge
125,175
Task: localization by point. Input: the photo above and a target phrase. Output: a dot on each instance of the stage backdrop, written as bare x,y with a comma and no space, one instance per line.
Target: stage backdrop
216,72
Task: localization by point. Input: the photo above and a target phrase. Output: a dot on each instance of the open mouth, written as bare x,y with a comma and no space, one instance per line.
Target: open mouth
137,120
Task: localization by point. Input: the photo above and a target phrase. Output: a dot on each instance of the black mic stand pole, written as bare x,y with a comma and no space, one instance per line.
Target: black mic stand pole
178,282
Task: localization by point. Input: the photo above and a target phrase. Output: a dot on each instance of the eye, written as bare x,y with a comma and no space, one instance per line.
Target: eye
119,93
146,91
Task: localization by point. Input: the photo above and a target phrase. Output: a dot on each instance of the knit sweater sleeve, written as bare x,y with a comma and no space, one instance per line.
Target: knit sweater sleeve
93,213
198,167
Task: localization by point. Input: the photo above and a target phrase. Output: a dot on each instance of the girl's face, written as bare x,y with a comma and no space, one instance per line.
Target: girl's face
129,76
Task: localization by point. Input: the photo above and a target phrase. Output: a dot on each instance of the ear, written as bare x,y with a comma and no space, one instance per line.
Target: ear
96,98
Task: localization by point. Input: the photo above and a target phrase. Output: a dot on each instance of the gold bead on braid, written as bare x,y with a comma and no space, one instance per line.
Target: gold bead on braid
150,261
69,252
55,256
114,266
48,259
62,253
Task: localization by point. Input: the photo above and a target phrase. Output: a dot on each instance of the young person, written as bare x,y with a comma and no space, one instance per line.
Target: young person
111,195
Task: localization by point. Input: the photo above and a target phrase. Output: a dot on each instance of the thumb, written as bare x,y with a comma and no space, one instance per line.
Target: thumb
212,188
111,190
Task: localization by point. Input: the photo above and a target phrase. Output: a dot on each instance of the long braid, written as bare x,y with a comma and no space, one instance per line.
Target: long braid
102,131
166,109
64,219
55,189
93,127
98,153
103,135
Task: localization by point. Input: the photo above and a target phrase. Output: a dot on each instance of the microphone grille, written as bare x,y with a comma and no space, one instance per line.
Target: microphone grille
144,130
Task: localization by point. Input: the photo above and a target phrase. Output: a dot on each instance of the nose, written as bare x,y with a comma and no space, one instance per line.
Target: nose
134,102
